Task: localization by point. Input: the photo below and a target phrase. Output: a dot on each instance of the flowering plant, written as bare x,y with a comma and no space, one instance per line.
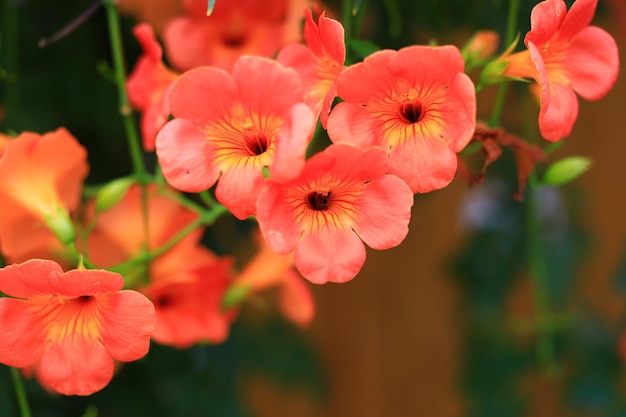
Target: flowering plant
281,117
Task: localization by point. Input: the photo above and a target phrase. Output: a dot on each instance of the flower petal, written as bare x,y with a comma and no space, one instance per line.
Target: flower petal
592,62
76,366
82,282
419,62
360,82
276,221
203,95
556,120
28,279
545,20
293,140
268,86
296,299
578,17
380,224
127,323
352,124
330,254
21,336
186,156
238,189
425,164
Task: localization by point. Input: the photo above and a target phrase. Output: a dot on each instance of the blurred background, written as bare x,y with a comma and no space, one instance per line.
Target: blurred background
441,326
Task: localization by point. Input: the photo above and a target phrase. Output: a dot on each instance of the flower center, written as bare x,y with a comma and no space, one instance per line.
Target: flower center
255,142
411,112
319,201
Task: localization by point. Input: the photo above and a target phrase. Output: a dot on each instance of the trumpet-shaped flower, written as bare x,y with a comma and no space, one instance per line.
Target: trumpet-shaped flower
565,56
186,283
148,85
320,63
40,184
187,286
71,325
232,126
415,103
235,28
342,198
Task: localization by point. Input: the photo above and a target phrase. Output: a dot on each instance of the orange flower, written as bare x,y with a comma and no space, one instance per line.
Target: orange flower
71,325
269,269
40,185
186,283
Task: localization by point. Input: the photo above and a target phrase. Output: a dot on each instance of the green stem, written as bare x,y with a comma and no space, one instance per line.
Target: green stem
126,112
20,393
120,80
511,31
346,18
539,275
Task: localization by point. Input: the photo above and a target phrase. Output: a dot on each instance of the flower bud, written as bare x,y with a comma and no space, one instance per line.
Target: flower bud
566,170
110,194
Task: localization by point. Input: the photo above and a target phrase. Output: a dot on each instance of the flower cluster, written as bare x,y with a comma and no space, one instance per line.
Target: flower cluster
230,116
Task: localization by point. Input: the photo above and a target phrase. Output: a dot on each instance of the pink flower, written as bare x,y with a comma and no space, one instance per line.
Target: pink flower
71,325
320,63
41,178
148,86
232,126
415,103
565,56
342,196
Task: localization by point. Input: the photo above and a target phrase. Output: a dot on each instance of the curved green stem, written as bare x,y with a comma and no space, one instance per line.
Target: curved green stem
346,17
20,393
120,80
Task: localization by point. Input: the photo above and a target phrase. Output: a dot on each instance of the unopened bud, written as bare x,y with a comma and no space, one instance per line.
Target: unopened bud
110,194
566,170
